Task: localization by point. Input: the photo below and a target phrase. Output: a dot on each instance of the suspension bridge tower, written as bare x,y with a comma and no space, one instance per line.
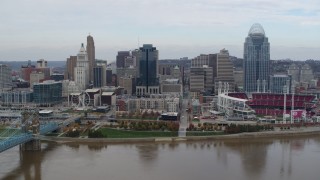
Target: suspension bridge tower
30,122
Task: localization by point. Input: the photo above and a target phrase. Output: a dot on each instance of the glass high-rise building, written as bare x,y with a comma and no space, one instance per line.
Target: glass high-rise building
278,81
99,76
256,60
47,93
147,67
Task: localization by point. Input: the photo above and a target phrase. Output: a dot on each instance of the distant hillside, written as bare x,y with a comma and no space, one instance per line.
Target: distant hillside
16,65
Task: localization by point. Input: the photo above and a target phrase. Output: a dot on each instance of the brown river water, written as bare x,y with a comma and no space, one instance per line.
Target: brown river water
245,159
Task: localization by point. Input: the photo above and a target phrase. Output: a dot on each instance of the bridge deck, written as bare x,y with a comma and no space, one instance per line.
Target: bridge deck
20,138
15,140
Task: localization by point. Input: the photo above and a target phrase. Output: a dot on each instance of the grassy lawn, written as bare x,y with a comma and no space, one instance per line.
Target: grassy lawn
207,133
10,132
84,133
52,134
114,133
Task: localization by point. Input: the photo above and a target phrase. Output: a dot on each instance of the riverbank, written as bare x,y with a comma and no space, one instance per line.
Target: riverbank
253,135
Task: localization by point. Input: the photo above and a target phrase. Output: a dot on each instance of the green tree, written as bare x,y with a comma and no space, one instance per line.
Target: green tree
73,133
95,134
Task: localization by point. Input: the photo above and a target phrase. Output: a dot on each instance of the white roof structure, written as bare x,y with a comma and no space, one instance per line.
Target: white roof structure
170,114
232,98
107,93
45,112
234,107
75,94
92,90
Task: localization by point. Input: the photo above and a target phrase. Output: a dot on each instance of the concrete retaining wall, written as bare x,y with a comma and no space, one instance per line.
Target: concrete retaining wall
272,134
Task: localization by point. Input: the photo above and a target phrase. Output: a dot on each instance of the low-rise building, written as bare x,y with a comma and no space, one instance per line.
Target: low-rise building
16,97
156,103
171,86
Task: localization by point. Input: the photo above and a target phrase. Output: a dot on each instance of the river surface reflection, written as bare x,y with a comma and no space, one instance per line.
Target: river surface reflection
287,158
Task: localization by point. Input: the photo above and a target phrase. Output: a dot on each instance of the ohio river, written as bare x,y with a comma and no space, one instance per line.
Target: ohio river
256,159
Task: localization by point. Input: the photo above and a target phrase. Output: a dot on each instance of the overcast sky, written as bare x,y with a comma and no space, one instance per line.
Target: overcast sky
55,29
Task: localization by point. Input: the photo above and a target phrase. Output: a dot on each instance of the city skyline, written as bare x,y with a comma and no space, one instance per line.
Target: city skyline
177,28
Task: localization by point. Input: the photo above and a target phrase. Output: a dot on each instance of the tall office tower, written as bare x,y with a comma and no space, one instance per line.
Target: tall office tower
5,76
81,71
130,61
306,74
294,71
201,80
209,60
36,77
42,66
256,60
147,61
224,71
278,81
109,76
203,59
127,83
41,63
70,65
91,56
26,71
121,57
100,74
126,64
176,72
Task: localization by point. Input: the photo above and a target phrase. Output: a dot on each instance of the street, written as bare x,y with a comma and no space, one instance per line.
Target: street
184,117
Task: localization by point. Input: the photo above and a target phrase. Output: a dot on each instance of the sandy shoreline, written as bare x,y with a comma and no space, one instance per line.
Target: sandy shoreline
267,134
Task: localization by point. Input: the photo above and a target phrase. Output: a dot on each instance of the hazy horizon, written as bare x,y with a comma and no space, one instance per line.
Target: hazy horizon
54,30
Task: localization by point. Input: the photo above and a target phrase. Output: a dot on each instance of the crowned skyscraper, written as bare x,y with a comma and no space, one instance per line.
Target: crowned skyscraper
256,60
91,56
81,71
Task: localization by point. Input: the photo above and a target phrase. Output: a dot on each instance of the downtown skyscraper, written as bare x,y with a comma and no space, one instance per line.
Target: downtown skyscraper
147,71
256,60
81,71
91,56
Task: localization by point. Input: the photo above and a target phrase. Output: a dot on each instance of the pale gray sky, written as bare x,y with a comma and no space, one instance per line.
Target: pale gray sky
54,29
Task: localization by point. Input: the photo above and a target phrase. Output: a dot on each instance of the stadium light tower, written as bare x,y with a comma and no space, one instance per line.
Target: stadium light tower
292,103
285,91
264,83
284,103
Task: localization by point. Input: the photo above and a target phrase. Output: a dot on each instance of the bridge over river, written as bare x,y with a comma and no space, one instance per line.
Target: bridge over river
30,128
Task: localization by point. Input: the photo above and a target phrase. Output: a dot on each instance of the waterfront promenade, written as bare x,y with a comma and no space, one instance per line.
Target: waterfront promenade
277,133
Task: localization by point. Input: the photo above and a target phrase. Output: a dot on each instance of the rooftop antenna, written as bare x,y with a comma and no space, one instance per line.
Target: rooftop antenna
138,42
